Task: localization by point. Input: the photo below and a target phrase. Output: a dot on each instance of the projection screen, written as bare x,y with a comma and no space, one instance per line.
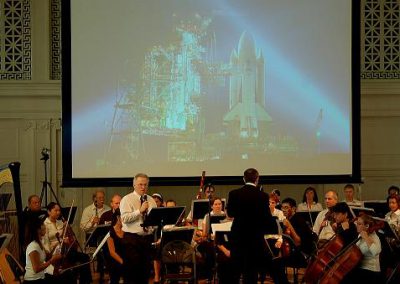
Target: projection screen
175,87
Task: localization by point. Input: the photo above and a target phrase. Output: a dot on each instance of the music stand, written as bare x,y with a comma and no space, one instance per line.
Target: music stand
99,232
65,212
177,234
222,237
308,216
357,211
388,230
160,216
213,219
380,207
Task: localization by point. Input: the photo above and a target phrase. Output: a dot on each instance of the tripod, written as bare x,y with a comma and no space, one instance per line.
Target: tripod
45,184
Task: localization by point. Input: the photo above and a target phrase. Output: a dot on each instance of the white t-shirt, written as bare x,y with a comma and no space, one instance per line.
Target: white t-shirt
29,272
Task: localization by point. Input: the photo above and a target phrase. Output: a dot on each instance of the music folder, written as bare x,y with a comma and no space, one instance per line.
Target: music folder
160,216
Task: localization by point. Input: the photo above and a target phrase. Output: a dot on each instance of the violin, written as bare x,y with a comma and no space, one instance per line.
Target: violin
67,242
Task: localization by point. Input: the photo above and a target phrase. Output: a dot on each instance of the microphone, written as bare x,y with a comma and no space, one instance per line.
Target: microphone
143,199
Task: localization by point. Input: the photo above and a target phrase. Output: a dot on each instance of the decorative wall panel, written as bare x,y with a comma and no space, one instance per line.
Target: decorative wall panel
15,40
55,39
380,39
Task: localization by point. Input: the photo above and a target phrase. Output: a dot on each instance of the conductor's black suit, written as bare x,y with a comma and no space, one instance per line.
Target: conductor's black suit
252,219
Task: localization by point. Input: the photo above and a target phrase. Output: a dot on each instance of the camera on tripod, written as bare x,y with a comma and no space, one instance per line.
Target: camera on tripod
45,154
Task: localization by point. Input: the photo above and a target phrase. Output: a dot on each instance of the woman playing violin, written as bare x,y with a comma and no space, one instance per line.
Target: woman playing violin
55,236
36,254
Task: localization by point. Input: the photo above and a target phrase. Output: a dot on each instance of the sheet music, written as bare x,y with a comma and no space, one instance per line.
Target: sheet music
221,227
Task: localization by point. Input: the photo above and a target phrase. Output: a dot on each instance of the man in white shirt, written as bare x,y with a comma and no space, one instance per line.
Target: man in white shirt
137,240
322,226
91,214
349,196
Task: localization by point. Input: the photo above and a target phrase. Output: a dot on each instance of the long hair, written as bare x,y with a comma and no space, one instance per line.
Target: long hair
310,188
32,233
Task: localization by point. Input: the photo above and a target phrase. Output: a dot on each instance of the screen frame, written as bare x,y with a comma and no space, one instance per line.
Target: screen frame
69,181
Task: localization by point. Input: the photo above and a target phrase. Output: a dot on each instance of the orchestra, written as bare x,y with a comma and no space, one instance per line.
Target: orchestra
340,245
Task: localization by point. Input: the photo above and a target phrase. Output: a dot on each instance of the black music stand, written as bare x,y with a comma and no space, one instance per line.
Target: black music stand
222,238
99,232
357,211
213,219
380,207
177,234
200,207
308,216
65,212
160,216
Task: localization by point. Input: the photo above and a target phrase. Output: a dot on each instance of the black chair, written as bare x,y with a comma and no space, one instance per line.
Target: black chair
296,259
179,261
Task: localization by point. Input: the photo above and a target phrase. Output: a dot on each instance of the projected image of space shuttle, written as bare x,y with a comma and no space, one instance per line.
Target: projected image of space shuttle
247,115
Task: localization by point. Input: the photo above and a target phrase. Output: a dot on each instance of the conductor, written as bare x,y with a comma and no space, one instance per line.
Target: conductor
251,220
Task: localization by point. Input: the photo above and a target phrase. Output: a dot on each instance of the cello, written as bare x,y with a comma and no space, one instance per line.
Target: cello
324,257
346,260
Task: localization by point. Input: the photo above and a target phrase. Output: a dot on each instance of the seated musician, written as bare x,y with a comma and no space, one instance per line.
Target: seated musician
310,201
58,235
92,213
216,209
273,201
343,225
106,217
116,249
349,191
393,189
369,244
209,193
322,226
206,248
156,262
393,216
301,232
34,210
36,254
158,199
170,203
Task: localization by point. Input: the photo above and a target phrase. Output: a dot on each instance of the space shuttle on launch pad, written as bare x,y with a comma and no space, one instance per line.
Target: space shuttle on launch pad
246,92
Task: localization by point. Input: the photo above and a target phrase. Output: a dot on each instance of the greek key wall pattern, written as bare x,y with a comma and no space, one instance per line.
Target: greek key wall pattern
15,40
55,39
